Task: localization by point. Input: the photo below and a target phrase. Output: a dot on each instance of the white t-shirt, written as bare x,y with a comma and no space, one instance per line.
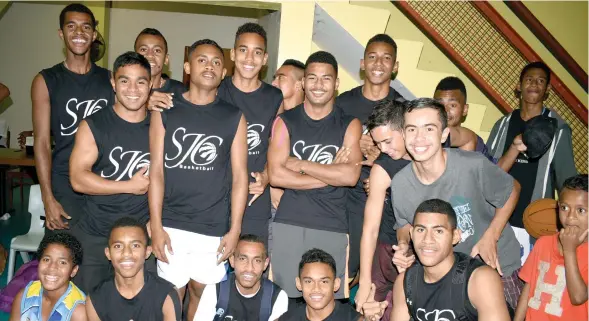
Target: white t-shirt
207,307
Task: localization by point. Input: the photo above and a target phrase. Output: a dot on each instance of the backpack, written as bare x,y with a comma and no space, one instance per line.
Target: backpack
24,275
460,276
224,291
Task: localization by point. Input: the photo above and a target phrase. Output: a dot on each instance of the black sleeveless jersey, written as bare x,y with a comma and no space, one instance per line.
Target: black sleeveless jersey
315,141
260,108
354,103
197,165
446,299
73,97
341,312
387,233
147,305
232,305
172,86
123,148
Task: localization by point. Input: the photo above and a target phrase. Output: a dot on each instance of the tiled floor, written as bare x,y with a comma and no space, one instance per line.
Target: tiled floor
18,224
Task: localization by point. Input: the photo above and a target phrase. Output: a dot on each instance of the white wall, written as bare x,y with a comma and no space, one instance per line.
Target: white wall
180,30
271,23
29,42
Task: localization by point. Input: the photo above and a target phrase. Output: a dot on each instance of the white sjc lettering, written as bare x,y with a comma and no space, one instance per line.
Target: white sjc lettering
133,160
72,107
202,150
555,291
435,315
318,153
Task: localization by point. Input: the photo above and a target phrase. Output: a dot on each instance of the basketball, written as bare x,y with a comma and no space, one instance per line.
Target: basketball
540,217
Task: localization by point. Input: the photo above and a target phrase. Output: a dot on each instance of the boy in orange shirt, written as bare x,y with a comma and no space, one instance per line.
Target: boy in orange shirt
556,271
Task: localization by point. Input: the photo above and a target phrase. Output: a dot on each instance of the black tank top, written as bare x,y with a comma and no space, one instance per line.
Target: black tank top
240,307
197,165
341,312
354,103
73,97
317,141
260,108
387,233
447,298
123,148
145,306
172,86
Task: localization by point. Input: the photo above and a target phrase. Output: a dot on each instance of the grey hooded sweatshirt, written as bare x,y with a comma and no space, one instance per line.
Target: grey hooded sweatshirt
554,167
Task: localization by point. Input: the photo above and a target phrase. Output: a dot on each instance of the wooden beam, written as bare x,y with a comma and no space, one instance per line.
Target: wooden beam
518,42
546,38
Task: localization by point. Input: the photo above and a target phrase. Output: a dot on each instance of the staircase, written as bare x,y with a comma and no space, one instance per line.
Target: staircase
361,21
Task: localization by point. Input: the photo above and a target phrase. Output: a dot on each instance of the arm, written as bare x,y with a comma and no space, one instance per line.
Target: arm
503,214
522,304
169,310
239,191
403,257
278,154
485,292
345,174
239,186
403,235
155,195
79,313
486,247
90,312
41,128
463,138
379,183
508,159
157,133
575,284
400,312
15,311
42,148
83,180
4,92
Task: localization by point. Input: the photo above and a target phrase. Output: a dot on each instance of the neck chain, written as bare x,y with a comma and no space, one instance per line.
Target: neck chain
68,68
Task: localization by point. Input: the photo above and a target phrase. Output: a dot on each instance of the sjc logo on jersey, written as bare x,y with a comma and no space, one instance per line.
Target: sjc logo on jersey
194,151
254,137
72,107
132,160
435,315
322,154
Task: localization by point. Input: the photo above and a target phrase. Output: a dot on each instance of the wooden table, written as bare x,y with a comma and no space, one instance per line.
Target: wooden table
10,157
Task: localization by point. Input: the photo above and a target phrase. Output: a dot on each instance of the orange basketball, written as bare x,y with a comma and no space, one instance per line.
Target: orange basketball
540,217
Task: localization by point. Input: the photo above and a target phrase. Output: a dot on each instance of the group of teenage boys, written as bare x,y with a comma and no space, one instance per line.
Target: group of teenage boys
290,183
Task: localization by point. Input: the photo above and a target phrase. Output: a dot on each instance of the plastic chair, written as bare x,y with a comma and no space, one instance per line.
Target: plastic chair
30,241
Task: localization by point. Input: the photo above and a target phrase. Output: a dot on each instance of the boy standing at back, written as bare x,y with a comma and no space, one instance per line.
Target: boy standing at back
556,270
451,92
259,102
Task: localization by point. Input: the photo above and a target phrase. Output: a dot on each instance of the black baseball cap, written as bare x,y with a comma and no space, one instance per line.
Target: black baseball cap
538,135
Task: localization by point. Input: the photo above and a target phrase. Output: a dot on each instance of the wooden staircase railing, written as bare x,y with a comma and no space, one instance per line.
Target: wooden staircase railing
474,36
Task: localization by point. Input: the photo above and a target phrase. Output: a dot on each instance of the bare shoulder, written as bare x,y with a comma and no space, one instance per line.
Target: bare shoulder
79,313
